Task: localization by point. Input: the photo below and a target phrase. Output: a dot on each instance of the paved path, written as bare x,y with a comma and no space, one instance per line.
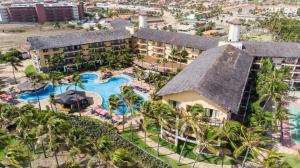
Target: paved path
175,156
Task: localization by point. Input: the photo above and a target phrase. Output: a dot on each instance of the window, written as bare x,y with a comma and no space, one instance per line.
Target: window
173,103
45,50
55,49
209,112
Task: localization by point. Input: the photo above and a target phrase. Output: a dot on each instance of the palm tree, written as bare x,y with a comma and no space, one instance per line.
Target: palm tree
270,83
52,102
164,61
121,158
133,102
55,78
141,58
78,83
17,155
5,137
13,58
174,54
209,139
182,56
103,147
158,62
35,79
190,120
271,158
58,130
147,120
114,104
281,115
252,140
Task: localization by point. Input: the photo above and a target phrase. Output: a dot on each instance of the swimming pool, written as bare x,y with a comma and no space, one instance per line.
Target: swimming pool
103,89
294,122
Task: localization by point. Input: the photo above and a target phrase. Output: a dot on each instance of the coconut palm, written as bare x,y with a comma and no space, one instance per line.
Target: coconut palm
121,158
141,58
52,102
114,104
12,57
281,115
209,139
17,155
158,62
252,139
78,83
147,119
55,78
133,102
189,121
271,158
182,56
164,61
35,79
270,83
58,132
103,147
5,137
174,54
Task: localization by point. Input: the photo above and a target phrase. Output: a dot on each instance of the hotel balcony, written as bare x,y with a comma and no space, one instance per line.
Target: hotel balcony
142,44
72,49
97,46
118,42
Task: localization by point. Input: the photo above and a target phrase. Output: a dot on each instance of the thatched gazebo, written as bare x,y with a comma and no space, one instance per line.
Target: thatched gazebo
29,87
70,99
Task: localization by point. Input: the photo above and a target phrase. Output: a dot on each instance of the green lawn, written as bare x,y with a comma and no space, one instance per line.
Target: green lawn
150,150
292,160
188,151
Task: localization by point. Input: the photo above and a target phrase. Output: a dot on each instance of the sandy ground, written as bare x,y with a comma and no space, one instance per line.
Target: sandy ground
17,39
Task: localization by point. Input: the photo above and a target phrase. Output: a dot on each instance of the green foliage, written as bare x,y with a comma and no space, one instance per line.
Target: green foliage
282,28
60,131
122,159
29,70
203,28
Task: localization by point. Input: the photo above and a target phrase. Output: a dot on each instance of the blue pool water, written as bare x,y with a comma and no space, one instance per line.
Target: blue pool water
294,122
105,89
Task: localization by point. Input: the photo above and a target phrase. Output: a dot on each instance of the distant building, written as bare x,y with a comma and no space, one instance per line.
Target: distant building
41,13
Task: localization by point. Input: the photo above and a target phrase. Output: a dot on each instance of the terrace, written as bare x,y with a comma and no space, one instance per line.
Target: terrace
151,64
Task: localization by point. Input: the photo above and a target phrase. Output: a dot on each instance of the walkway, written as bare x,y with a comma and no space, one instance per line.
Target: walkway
175,156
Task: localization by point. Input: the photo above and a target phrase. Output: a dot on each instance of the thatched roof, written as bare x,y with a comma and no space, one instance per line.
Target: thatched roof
272,49
219,74
71,97
76,38
120,23
181,39
28,86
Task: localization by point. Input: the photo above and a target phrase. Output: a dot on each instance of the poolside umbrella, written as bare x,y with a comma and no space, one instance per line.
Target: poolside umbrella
28,86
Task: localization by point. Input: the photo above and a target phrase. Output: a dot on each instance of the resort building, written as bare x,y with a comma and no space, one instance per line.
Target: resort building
159,44
216,80
72,45
218,74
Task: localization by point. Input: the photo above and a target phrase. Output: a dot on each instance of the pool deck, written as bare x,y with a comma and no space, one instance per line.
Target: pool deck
287,136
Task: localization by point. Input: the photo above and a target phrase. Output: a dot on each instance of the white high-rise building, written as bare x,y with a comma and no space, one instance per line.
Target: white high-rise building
234,30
